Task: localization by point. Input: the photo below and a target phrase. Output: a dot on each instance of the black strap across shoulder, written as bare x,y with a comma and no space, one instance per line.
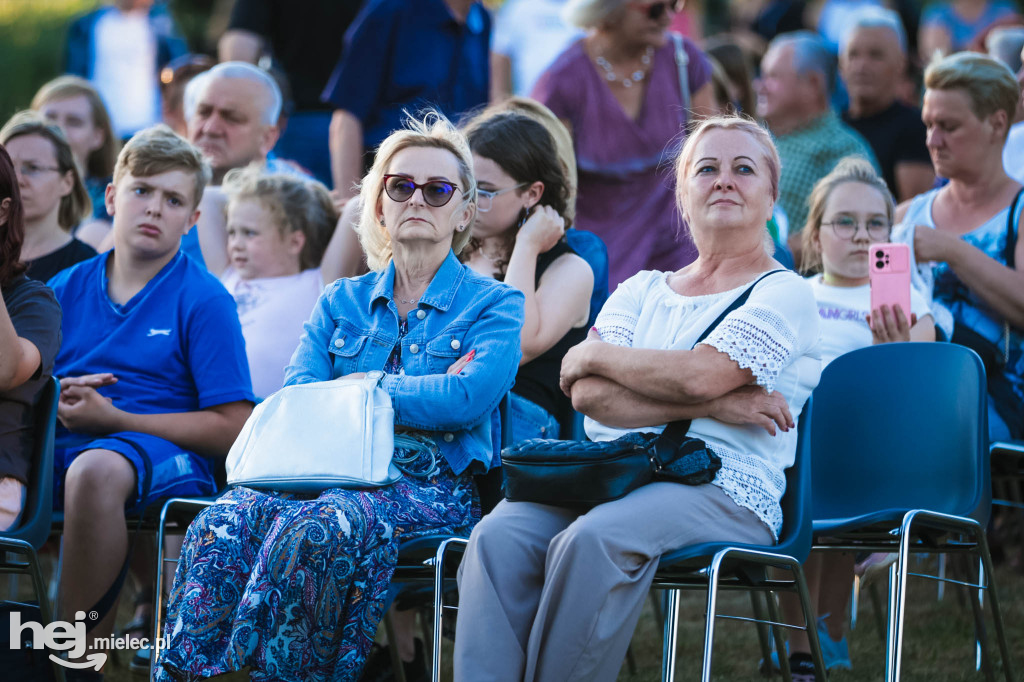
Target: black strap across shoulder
675,432
1009,251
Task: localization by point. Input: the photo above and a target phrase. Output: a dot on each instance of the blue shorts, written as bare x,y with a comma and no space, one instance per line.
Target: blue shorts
162,469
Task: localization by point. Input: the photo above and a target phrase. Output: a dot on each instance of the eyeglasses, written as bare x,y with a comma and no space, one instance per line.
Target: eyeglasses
485,197
655,10
31,170
436,193
846,226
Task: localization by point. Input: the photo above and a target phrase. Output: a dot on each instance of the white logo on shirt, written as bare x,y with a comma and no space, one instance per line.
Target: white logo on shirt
159,332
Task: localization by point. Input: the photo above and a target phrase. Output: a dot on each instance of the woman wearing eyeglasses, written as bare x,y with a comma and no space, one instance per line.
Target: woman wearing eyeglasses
52,193
850,209
620,90
518,237
29,338
292,586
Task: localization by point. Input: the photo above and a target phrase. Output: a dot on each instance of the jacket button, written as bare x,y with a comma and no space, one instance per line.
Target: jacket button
338,343
449,437
420,314
456,344
414,349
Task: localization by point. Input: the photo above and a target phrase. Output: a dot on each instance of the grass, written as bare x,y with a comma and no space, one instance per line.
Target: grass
938,637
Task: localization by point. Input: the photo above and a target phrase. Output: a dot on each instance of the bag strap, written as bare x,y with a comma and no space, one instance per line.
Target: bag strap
1009,251
682,62
676,431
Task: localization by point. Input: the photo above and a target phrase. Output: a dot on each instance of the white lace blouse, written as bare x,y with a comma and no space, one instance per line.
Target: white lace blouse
774,334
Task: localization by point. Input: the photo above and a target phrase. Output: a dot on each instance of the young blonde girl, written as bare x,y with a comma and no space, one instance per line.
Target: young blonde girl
273,238
850,209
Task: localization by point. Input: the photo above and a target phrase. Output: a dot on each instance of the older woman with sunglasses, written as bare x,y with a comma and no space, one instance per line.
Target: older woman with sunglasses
293,586
627,91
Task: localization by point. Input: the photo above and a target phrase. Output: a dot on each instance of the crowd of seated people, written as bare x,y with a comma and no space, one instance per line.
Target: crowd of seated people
175,278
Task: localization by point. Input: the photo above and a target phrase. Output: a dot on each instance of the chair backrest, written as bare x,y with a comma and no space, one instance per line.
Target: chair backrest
795,538
901,426
35,521
592,249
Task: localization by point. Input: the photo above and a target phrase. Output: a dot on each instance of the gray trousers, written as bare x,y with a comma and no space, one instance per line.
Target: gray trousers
547,595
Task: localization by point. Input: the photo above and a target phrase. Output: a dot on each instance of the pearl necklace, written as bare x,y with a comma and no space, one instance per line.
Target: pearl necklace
636,76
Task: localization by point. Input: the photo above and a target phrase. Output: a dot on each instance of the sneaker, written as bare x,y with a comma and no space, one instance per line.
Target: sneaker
835,653
802,668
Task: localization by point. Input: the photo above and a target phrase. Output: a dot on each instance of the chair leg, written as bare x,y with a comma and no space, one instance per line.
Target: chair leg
997,614
712,611
45,610
763,632
897,594
854,602
780,645
670,637
981,636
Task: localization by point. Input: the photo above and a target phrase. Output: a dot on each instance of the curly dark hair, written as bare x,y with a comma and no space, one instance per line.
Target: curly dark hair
12,232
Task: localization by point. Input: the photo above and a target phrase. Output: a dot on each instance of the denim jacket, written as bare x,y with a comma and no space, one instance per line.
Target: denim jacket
354,328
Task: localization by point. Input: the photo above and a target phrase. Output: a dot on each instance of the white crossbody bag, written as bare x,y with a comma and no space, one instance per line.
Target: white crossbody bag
311,437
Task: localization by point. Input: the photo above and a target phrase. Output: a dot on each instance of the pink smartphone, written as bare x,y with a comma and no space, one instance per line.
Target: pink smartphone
890,276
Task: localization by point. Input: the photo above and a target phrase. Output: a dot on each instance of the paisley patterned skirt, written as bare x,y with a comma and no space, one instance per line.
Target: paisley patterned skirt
294,586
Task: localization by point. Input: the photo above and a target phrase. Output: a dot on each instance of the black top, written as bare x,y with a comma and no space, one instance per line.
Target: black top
45,267
304,37
36,317
896,135
537,380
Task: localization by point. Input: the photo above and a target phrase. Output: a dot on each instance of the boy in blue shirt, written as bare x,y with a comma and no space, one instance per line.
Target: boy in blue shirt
154,380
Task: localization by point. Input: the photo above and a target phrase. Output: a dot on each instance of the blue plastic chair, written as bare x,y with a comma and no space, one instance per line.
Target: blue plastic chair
592,249
901,465
722,565
34,529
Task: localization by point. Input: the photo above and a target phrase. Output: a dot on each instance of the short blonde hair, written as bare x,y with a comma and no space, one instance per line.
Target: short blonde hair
989,84
76,205
737,122
100,163
559,133
590,13
849,169
159,150
296,204
434,131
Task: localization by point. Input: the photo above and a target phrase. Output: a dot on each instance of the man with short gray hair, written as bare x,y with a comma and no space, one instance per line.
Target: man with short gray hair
797,75
872,60
231,112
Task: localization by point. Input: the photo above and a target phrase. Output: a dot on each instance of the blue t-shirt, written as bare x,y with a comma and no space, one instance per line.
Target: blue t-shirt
176,346
409,54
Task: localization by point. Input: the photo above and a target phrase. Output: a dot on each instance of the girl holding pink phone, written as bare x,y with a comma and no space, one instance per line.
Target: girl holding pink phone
851,215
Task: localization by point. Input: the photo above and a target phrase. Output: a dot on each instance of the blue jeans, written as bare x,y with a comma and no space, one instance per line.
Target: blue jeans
530,420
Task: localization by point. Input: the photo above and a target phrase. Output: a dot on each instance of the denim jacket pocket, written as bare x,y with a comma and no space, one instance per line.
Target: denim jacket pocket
345,348
446,348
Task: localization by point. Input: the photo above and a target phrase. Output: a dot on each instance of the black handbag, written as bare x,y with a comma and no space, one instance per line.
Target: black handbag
583,474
